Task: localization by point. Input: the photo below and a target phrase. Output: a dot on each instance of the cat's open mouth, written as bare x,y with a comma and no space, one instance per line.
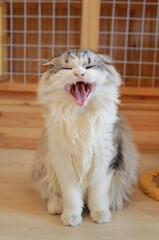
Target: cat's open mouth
80,91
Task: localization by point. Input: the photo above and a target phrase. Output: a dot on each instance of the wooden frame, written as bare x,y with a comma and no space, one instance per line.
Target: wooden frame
0,40
90,24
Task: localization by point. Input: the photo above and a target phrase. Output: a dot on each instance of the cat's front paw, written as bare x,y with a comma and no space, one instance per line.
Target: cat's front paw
69,219
101,216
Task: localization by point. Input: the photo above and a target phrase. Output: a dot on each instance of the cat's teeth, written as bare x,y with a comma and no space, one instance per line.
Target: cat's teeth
88,92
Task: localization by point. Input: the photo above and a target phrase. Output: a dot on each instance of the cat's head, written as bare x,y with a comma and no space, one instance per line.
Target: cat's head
79,76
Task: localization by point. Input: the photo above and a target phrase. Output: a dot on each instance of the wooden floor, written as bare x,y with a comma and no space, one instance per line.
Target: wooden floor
23,215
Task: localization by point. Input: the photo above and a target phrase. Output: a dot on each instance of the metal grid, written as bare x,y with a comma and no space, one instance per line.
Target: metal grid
33,31
129,32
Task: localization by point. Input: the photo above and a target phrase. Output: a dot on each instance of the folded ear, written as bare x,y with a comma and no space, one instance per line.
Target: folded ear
106,59
47,64
50,62
114,74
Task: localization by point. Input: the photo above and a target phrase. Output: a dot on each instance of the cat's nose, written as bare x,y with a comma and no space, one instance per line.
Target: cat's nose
79,72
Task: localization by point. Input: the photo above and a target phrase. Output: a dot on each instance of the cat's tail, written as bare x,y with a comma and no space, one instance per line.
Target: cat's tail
126,166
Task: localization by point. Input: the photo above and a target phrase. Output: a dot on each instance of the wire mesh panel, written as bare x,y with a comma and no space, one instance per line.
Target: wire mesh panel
33,31
129,31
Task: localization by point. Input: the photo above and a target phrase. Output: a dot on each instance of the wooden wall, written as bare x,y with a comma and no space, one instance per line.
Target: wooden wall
20,117
21,123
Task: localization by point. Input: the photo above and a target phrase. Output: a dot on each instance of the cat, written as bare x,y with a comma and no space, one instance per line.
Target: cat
86,154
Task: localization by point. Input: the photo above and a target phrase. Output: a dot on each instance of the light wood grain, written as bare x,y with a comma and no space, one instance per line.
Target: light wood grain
142,91
21,119
90,24
19,142
21,123
18,102
23,213
142,120
147,141
126,91
29,109
21,132
18,87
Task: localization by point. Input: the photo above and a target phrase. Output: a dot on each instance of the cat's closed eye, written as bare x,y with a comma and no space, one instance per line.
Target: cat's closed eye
88,67
66,68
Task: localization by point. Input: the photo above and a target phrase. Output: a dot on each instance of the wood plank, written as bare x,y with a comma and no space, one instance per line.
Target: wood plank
20,137
21,122
147,141
125,91
18,95
18,142
90,24
18,102
20,132
142,91
135,104
21,119
15,109
18,87
140,105
142,119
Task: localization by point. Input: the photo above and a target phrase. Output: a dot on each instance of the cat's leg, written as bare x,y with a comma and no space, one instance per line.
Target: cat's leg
72,201
98,197
72,196
72,207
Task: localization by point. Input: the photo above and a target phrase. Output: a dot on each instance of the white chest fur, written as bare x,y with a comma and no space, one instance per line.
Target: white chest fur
81,143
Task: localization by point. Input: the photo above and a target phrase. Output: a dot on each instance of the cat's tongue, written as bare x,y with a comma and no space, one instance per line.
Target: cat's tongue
80,93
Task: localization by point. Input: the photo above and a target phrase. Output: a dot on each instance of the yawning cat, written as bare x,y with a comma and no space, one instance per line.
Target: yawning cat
86,154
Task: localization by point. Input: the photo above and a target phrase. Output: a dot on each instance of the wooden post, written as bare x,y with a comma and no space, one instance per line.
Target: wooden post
90,24
0,40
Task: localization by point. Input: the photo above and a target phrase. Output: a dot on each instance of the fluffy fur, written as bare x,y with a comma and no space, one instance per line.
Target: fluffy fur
86,154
